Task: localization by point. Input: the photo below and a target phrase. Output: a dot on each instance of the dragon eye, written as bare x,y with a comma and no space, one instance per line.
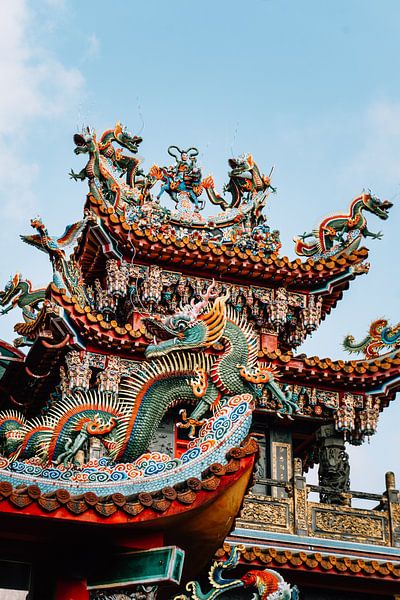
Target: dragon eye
181,326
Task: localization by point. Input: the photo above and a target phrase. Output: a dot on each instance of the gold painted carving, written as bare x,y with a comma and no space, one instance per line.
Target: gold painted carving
395,523
268,513
338,522
301,509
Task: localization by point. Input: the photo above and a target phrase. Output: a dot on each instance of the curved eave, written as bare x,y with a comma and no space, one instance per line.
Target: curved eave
145,510
96,331
316,562
379,377
228,263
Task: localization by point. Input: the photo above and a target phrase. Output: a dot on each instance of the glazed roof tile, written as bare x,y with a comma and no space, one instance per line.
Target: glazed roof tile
315,561
145,504
188,253
380,375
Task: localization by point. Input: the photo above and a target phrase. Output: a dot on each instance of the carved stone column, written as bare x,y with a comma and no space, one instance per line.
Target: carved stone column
300,499
393,498
334,467
280,459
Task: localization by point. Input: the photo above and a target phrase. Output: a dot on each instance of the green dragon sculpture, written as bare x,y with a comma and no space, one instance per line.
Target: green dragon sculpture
127,164
381,336
102,185
103,178
19,292
341,233
181,369
265,584
245,177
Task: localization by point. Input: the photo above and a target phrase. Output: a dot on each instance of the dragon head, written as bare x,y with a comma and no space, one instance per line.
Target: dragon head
378,207
188,329
9,289
241,166
126,139
85,142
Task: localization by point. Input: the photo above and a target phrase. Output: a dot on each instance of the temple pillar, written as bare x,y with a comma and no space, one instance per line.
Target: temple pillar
334,467
280,459
300,499
393,499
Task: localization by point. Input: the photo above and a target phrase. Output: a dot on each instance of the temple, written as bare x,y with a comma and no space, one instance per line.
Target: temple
157,420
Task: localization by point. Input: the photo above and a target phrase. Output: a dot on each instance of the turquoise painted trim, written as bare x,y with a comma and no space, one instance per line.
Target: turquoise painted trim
311,542
347,274
139,567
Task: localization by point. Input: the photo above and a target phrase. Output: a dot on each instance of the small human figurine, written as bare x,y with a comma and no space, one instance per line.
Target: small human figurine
184,176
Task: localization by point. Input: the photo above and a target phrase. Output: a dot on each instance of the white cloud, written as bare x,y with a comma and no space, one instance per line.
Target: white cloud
93,48
35,85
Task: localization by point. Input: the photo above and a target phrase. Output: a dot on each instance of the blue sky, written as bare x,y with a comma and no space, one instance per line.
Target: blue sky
311,87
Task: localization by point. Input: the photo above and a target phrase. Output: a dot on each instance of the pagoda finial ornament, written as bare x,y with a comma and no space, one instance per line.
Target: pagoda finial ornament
245,178
182,180
240,224
342,233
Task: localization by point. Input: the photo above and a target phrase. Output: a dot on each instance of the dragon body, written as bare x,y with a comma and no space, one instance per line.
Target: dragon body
343,232
181,369
102,184
381,336
127,164
19,292
106,164
245,178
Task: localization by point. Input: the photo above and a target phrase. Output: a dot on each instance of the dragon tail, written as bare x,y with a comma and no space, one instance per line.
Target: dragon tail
351,346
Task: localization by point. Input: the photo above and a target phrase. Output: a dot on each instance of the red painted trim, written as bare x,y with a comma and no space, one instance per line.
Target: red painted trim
71,589
61,344
148,516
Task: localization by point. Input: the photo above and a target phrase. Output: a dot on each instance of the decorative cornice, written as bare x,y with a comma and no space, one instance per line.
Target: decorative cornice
325,563
94,326
211,257
145,504
377,376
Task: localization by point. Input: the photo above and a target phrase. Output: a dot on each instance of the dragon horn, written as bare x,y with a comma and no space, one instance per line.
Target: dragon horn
215,321
200,306
118,128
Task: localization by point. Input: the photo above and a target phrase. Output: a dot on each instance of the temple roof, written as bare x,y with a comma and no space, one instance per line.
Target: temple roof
215,260
148,505
379,376
327,564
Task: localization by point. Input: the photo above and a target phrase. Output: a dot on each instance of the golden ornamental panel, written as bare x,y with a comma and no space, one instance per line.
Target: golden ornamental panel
266,513
301,509
351,524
